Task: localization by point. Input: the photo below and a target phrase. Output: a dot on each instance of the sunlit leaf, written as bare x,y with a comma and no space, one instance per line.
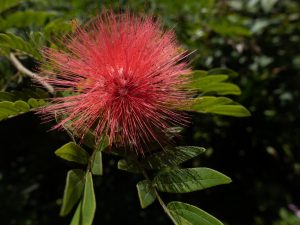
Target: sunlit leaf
182,212
189,180
22,106
73,152
73,190
8,108
33,102
219,105
146,193
216,83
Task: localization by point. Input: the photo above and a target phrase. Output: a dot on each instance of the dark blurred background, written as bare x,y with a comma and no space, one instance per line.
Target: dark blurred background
259,39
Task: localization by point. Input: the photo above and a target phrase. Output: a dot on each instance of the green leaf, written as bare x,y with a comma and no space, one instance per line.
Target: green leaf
88,139
207,80
33,102
171,157
57,27
224,71
22,106
213,83
231,110
6,96
174,130
199,73
7,4
73,152
228,28
220,88
10,109
189,180
97,167
85,211
28,18
219,105
73,190
24,94
89,201
193,215
37,39
146,193
13,42
103,143
128,165
77,218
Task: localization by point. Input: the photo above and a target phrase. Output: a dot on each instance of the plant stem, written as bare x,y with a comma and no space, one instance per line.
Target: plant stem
161,202
29,73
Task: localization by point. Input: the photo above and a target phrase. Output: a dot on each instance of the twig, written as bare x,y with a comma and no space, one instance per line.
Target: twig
161,202
29,73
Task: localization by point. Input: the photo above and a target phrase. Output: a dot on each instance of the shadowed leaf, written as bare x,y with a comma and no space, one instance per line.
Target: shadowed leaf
146,193
128,165
171,157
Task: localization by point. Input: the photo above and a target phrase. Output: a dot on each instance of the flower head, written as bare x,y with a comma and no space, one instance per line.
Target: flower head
126,74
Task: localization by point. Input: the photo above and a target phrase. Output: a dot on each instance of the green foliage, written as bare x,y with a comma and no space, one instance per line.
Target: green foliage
73,190
24,94
76,220
213,84
146,193
88,202
97,167
85,211
28,18
171,157
73,152
128,165
186,214
219,105
10,109
287,217
227,28
19,102
7,4
189,180
57,27
9,42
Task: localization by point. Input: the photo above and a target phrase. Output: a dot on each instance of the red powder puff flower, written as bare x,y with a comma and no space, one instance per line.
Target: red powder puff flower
126,74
